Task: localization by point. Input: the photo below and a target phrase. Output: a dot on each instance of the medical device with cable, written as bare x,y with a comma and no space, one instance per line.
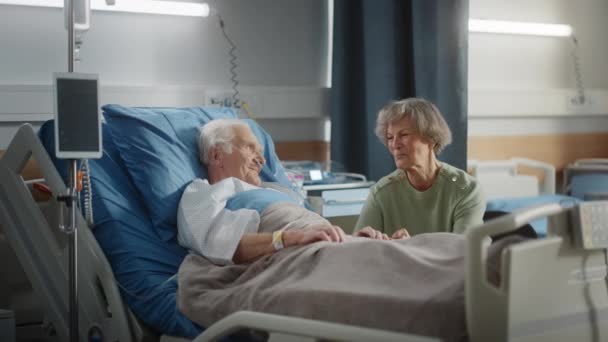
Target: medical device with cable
78,129
78,132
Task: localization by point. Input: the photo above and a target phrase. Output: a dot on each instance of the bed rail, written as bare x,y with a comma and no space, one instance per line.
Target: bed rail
592,161
42,252
550,290
285,329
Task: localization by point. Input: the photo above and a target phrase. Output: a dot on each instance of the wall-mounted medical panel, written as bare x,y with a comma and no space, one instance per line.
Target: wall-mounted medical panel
33,102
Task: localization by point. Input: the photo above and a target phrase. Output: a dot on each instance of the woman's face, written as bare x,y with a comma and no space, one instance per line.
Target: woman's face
408,148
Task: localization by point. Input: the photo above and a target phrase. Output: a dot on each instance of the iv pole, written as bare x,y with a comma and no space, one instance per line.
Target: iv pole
71,198
71,229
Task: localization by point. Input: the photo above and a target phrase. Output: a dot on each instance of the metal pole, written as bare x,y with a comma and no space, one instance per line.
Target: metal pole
72,230
72,256
70,9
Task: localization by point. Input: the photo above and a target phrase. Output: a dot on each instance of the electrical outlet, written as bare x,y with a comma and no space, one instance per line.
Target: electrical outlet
584,105
221,98
224,101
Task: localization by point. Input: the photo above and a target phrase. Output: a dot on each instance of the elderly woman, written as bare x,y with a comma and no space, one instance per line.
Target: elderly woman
423,195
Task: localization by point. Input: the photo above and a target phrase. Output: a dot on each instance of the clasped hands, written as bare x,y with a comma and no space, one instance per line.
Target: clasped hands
372,233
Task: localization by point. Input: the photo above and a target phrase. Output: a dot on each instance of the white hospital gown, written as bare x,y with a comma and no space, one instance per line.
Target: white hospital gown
206,227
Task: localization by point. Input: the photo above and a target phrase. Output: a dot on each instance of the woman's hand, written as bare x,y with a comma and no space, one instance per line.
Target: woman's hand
371,233
401,234
323,232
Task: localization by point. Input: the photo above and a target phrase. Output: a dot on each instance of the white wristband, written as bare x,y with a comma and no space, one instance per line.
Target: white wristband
277,240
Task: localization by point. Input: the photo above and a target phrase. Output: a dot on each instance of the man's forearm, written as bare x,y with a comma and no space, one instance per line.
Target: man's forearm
253,246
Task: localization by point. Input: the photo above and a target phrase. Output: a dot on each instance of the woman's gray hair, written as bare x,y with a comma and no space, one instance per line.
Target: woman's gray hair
217,133
427,119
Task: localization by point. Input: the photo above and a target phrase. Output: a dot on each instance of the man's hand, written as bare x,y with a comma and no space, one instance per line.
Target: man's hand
323,232
371,233
401,234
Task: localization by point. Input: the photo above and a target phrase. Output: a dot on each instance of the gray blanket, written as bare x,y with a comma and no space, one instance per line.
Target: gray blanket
413,286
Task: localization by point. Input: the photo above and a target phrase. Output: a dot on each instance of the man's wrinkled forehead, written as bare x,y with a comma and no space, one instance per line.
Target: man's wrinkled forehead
245,135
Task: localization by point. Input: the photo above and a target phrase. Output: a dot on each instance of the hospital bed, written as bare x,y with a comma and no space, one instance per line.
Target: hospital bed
587,179
550,290
114,304
504,178
517,183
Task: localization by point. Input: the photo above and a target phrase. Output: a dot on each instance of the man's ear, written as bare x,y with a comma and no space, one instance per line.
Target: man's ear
216,156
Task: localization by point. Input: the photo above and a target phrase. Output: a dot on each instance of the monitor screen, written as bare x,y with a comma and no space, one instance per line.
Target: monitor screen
77,114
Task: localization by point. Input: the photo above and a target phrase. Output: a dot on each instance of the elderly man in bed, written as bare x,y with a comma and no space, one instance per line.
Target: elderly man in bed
221,218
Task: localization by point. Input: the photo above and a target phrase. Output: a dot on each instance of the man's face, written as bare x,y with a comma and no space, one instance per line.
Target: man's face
246,160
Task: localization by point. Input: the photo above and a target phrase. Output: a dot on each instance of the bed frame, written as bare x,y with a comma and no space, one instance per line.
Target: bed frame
550,291
503,178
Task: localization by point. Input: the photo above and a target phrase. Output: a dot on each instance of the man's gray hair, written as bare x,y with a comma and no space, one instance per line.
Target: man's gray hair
426,117
217,133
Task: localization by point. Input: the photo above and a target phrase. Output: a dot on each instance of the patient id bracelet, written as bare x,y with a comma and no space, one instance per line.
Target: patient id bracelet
277,240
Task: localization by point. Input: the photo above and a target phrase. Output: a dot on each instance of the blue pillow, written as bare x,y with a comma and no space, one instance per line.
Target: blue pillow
143,264
257,199
159,147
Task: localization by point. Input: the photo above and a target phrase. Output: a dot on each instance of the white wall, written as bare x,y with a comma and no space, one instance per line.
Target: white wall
522,84
281,48
517,84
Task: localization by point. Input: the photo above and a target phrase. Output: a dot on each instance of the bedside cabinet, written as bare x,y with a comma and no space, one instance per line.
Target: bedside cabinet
340,207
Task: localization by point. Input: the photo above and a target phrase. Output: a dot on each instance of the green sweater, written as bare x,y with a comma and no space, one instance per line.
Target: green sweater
452,204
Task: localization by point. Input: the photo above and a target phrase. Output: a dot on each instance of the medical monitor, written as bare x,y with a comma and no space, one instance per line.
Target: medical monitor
77,116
